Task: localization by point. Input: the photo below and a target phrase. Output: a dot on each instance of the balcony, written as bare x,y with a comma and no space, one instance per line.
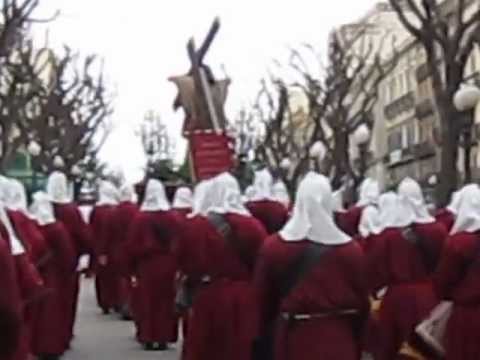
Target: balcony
424,150
424,109
402,104
400,157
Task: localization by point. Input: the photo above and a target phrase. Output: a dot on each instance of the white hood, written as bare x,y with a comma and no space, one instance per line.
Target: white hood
280,193
457,196
369,222
15,243
369,192
17,199
413,208
201,198
183,198
127,193
338,201
226,196
42,209
312,217
468,217
263,185
58,189
388,208
108,194
155,197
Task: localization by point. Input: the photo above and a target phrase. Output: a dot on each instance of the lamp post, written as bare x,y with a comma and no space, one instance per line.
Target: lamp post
34,150
465,101
361,136
317,154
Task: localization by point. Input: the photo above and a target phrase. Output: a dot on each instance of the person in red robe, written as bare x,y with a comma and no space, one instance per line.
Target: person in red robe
369,226
407,251
67,212
457,279
125,213
10,310
51,323
263,206
321,316
368,195
448,215
30,285
105,240
223,319
151,252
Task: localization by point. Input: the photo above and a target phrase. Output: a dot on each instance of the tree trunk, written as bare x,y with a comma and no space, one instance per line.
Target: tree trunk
450,124
341,157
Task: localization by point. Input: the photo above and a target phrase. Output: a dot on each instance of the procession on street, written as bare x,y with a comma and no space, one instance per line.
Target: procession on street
334,216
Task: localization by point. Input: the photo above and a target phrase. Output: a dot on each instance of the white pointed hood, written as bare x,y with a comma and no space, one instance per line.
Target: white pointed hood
388,208
457,196
16,245
413,208
42,209
17,199
201,198
263,185
58,189
155,197
369,222
369,192
468,217
108,194
280,193
338,201
183,198
312,216
226,196
127,193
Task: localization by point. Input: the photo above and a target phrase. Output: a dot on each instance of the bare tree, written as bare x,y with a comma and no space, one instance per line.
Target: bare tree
18,85
71,118
340,98
447,31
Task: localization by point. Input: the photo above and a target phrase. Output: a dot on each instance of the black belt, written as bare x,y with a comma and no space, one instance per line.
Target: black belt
312,316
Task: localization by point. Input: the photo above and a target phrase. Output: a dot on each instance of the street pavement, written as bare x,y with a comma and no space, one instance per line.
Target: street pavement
101,337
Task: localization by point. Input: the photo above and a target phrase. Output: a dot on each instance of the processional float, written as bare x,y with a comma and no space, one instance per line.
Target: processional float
202,97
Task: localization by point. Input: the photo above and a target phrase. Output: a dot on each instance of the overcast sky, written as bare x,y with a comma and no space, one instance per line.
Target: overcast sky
143,42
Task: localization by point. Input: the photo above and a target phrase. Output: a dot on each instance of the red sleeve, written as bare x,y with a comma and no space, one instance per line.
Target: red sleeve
455,259
64,248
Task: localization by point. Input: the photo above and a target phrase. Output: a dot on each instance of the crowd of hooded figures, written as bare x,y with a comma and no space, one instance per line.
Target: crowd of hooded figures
249,275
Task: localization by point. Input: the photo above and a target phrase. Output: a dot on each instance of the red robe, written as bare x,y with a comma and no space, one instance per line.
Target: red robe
102,222
337,283
349,221
125,213
150,246
10,303
446,217
458,279
51,324
72,219
405,268
271,214
223,321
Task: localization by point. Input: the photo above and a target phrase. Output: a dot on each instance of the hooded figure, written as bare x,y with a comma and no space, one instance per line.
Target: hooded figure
406,254
151,241
448,215
368,195
15,254
280,194
125,214
51,324
102,222
333,288
263,206
201,200
228,257
457,279
369,222
183,201
70,216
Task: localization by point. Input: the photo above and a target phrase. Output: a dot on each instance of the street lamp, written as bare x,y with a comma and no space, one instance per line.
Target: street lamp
361,136
465,101
317,154
34,150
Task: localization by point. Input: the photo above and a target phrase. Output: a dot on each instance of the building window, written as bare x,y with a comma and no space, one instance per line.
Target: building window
395,140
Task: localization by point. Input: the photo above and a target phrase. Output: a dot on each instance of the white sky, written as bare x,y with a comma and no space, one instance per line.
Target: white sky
143,42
